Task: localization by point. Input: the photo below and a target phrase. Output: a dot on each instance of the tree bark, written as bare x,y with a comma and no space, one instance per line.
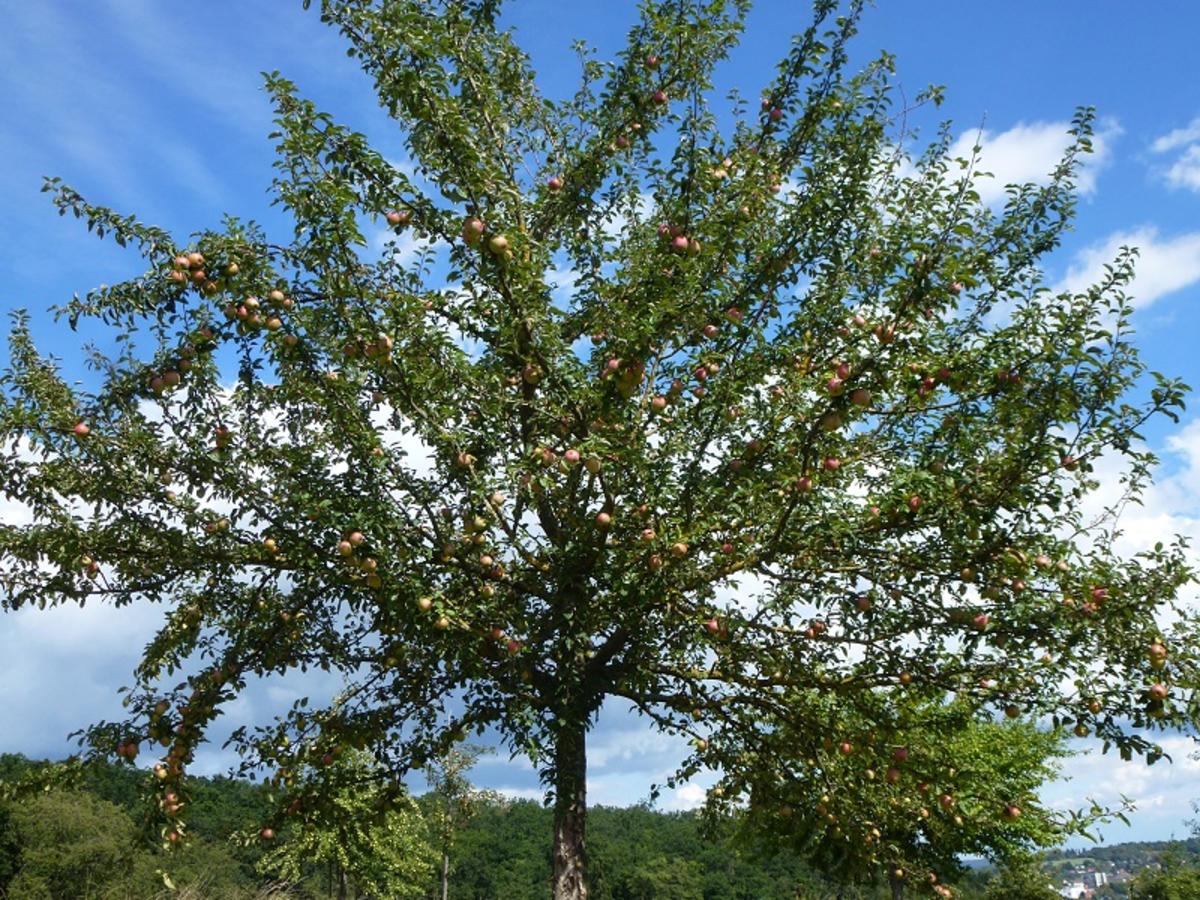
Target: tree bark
897,887
446,874
570,811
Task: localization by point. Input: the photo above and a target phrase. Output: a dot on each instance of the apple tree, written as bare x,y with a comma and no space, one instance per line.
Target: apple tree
800,431
947,782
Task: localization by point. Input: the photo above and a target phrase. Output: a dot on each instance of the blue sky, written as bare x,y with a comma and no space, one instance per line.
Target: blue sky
155,108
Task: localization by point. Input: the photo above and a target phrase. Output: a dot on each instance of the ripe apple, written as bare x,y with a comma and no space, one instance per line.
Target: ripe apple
860,397
399,217
648,534
441,623
498,245
571,456
425,604
980,621
1159,691
654,562
345,548
679,549
472,231
592,464
658,404
679,244
603,519
555,183
713,626
711,331
1011,812
652,61
845,748
804,484
831,464
775,114
267,834
659,96
81,430
914,503
195,260
892,775
945,801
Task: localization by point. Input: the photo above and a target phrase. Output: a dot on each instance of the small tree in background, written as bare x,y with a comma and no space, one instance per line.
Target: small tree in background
452,801
806,435
372,843
950,784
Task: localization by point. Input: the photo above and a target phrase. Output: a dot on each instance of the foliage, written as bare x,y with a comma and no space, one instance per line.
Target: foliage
1173,879
957,786
1022,878
804,443
377,844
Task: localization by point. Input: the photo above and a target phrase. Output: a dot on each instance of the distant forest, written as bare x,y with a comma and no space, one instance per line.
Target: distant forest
82,842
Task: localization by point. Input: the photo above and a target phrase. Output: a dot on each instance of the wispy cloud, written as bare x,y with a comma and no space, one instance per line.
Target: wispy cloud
1165,265
1184,170
1029,152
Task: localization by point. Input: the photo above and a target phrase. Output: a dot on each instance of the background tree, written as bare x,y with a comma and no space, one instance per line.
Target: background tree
1021,878
949,783
373,844
1172,879
808,430
452,801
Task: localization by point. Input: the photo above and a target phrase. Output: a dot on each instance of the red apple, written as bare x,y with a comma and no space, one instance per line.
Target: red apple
713,626
81,430
1159,691
267,834
603,519
659,96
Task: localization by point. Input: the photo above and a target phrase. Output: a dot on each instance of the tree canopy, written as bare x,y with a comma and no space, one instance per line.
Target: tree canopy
802,445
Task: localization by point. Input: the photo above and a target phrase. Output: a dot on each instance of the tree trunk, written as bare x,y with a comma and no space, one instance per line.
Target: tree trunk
570,811
897,887
341,883
445,874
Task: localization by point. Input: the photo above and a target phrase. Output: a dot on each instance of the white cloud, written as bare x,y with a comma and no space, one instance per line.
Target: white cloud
1180,137
1030,152
1185,171
1164,265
